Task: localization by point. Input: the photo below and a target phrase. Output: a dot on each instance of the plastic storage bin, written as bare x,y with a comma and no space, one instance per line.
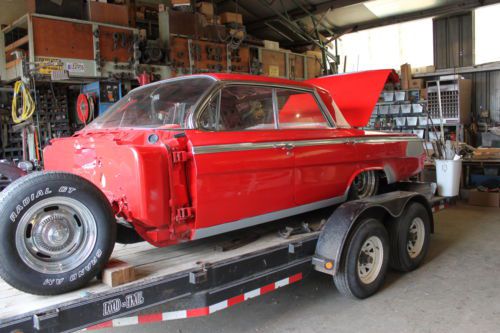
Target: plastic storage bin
406,108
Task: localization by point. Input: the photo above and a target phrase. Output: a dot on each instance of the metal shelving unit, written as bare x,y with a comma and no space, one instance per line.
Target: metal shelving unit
402,111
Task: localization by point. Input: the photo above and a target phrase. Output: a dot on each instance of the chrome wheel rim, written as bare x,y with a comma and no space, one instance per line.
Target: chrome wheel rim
416,236
365,184
370,260
56,235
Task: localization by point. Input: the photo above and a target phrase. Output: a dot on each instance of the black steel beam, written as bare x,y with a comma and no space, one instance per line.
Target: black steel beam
298,13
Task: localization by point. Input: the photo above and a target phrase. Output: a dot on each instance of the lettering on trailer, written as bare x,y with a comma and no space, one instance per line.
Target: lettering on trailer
117,304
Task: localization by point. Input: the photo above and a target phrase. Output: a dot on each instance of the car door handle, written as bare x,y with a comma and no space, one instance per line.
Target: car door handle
284,146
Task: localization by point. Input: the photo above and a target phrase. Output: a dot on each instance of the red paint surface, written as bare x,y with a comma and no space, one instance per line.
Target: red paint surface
200,312
147,188
295,278
267,289
150,318
355,94
236,300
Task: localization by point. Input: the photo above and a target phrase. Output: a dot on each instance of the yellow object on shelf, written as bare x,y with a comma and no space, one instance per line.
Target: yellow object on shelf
28,105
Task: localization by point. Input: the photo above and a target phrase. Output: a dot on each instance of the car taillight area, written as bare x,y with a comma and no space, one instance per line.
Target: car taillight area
133,175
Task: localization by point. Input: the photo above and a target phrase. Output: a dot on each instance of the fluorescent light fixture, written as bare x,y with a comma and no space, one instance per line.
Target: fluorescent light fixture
386,8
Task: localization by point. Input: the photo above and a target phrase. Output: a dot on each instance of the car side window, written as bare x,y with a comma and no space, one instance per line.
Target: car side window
299,109
245,107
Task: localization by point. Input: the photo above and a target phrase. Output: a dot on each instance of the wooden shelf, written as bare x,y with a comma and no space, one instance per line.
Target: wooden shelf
18,43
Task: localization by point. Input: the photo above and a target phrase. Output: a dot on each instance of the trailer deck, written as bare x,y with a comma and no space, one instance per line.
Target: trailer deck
199,271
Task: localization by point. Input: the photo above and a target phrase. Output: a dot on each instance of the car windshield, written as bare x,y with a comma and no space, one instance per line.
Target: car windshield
161,105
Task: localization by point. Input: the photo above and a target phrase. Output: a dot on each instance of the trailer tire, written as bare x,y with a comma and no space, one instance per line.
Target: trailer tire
57,231
362,269
410,238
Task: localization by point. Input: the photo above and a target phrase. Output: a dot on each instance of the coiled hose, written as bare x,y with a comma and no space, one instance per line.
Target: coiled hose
28,104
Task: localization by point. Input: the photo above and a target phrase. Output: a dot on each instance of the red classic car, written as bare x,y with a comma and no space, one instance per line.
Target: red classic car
192,157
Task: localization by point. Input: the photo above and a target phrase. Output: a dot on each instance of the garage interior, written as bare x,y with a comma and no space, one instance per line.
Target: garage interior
64,63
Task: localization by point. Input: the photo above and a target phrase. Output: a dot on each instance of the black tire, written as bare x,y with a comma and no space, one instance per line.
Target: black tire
41,195
401,260
347,279
366,184
352,194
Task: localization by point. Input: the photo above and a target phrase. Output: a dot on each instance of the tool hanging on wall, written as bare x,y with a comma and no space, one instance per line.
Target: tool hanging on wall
27,108
85,108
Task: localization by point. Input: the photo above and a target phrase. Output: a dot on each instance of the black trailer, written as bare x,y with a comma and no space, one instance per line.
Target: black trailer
203,277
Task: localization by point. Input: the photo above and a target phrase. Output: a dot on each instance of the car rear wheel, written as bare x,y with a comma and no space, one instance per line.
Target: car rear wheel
57,233
366,184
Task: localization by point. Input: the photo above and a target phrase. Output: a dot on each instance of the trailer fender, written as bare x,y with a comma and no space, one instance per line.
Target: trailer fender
335,233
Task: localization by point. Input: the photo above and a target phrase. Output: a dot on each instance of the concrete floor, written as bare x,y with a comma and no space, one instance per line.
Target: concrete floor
457,289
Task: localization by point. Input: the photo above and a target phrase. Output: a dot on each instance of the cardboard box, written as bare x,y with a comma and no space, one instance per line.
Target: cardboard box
485,199
272,45
176,3
423,94
405,76
228,17
416,84
205,8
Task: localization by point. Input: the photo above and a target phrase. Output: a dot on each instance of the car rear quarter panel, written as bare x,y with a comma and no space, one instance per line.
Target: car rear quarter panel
134,177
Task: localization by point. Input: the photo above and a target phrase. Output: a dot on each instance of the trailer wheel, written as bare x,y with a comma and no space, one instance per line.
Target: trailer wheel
57,231
362,270
410,236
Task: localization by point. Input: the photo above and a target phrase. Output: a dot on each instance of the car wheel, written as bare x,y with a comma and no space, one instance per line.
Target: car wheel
362,270
57,233
366,184
410,238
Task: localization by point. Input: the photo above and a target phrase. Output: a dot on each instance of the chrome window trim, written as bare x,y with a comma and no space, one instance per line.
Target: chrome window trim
194,118
275,110
247,146
174,79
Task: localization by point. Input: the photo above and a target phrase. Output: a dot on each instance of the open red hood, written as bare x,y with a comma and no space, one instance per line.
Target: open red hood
354,95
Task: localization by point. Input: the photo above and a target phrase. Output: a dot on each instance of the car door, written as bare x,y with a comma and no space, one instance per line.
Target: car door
325,157
243,170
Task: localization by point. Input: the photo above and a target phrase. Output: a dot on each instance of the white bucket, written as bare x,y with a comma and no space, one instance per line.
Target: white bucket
448,177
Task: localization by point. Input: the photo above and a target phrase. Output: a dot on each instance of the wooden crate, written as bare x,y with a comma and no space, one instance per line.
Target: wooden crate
273,63
179,54
62,39
108,13
313,66
296,67
107,44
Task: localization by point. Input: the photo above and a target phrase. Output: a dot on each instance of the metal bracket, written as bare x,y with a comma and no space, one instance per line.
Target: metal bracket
198,277
184,214
294,248
179,156
46,320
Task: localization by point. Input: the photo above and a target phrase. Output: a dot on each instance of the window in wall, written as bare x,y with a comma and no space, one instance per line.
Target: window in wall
299,110
487,26
388,47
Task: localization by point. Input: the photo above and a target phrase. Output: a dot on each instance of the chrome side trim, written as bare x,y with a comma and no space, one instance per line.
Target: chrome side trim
245,146
256,220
